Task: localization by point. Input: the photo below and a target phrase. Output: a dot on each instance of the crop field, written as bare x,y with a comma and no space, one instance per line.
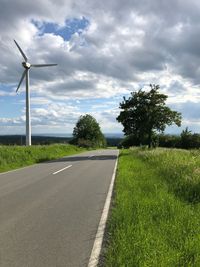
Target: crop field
155,216
12,157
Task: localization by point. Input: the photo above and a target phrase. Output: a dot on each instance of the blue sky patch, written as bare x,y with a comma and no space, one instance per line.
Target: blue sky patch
71,26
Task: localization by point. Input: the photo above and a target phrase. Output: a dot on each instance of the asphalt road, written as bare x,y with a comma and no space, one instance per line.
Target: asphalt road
49,212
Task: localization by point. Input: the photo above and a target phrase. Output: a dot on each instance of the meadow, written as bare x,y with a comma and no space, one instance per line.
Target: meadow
12,157
155,214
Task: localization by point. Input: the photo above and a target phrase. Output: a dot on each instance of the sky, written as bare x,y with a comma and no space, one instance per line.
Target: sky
104,50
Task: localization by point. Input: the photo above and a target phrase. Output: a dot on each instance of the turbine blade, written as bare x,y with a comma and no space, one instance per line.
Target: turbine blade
23,75
43,65
24,56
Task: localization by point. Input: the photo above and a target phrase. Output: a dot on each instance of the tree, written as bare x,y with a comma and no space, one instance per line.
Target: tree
144,113
87,132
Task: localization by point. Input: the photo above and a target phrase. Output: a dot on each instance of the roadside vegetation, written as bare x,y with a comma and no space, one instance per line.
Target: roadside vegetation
155,216
12,157
186,140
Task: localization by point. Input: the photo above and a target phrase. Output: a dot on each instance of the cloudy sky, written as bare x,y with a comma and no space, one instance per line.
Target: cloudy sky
104,50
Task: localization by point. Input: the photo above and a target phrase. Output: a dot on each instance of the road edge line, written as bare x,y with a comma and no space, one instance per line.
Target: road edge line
96,250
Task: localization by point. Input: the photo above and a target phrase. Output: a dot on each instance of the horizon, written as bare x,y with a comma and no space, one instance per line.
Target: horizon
114,135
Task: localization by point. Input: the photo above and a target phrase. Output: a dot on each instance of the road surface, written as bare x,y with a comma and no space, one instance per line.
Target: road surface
49,212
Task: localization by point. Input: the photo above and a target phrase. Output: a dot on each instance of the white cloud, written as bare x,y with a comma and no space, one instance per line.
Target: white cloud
126,45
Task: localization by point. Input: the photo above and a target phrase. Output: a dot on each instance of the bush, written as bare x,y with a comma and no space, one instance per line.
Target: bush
167,140
189,140
128,141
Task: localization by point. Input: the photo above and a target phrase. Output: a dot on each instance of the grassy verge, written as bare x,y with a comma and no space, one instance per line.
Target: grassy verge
155,219
12,157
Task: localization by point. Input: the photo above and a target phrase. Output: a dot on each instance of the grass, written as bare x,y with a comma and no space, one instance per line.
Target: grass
155,218
13,157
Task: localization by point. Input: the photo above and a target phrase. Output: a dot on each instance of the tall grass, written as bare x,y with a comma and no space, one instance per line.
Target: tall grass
12,157
179,168
155,219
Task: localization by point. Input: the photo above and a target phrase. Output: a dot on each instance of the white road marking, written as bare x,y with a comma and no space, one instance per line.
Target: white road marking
94,257
91,156
62,169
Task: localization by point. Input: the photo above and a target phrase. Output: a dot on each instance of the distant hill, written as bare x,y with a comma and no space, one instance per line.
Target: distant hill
36,140
114,135
45,139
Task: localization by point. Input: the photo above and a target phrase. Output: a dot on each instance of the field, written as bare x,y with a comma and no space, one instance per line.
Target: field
12,157
155,216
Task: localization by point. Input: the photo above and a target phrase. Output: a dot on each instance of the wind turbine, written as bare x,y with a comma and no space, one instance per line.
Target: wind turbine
27,67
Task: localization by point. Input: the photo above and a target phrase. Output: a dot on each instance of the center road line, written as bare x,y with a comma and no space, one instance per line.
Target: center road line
69,166
62,169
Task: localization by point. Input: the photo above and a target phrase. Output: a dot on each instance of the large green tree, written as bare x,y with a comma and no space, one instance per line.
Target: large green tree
145,113
87,132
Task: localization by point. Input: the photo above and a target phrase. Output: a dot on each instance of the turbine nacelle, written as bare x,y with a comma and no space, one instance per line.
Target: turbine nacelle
26,65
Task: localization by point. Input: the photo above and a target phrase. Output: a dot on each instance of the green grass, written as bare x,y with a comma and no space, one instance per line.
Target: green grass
12,157
155,218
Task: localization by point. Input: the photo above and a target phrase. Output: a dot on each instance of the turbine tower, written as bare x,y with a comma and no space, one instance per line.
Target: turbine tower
27,67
